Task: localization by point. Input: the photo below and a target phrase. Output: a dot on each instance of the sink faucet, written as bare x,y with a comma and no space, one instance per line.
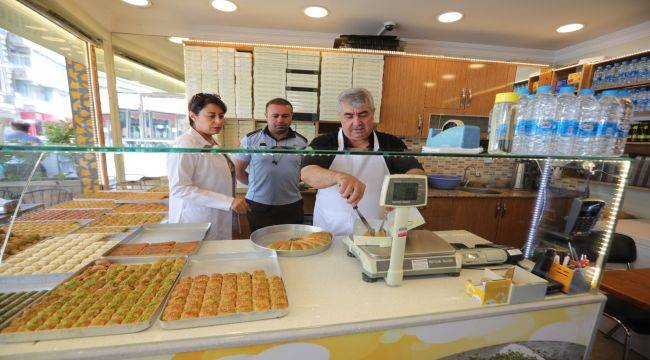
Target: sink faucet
465,179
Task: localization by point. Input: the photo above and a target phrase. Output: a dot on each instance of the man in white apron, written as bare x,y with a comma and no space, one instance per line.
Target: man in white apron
344,181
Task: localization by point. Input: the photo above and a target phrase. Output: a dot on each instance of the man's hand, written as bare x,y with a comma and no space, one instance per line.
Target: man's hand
350,188
240,206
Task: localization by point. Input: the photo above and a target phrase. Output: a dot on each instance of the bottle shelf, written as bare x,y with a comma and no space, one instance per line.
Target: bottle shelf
623,86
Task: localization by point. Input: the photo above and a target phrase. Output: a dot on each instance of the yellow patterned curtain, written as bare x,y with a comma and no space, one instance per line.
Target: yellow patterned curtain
82,123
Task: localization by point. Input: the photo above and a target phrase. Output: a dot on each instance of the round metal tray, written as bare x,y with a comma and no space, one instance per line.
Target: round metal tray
264,236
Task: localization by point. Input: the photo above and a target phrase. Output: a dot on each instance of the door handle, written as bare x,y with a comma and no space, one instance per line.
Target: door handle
463,98
420,124
497,213
504,208
469,97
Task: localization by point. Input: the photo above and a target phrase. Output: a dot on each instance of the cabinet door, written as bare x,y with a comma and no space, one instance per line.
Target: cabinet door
484,81
515,218
437,214
444,85
403,95
476,215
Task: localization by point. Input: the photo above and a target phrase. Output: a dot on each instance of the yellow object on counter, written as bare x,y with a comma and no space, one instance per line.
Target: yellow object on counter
491,289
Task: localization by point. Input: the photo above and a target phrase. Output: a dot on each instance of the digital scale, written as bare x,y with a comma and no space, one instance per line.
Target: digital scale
415,252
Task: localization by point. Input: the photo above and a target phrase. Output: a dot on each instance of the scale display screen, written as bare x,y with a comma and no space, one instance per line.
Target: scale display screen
405,191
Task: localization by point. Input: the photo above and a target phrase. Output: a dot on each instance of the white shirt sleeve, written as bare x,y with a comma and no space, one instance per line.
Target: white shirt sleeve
180,168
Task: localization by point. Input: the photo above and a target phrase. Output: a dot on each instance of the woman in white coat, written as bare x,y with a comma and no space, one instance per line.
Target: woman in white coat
201,186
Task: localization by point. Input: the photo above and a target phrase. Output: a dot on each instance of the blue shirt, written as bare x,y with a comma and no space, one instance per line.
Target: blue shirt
273,179
21,137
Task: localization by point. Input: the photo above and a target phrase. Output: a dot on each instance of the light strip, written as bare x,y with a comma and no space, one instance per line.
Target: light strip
207,43
538,212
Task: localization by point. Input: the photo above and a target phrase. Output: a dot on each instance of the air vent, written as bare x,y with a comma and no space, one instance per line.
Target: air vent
372,42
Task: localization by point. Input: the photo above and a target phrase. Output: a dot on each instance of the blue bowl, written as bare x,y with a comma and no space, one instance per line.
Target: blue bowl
444,182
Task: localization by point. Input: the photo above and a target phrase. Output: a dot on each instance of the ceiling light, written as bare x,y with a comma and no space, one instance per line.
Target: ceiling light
449,17
224,5
34,27
476,66
177,39
569,28
140,3
448,76
316,11
52,39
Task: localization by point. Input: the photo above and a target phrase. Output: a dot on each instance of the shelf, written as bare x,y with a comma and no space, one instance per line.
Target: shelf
623,86
308,151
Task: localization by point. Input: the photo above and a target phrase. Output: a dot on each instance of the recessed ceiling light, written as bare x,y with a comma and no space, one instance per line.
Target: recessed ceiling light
139,3
37,28
224,5
178,39
569,28
316,11
476,66
449,17
52,39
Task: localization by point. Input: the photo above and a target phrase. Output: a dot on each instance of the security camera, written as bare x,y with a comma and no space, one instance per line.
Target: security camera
388,26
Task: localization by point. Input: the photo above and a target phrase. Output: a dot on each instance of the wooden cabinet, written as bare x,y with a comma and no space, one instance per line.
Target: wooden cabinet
445,85
500,220
483,82
403,95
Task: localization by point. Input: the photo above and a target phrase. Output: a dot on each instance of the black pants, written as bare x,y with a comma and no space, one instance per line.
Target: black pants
262,215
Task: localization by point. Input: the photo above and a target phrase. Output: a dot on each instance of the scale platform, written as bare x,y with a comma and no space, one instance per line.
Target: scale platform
425,254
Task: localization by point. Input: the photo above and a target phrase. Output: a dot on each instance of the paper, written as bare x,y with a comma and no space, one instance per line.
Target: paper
415,219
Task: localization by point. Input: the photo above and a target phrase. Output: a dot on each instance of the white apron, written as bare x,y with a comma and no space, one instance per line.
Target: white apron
200,188
331,211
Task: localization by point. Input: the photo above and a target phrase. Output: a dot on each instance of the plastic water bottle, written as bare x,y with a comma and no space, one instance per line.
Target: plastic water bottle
643,73
520,139
598,76
502,119
611,113
608,77
623,124
633,71
624,72
544,125
567,117
588,120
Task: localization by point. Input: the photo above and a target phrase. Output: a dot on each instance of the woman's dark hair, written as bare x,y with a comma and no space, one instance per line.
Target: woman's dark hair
201,100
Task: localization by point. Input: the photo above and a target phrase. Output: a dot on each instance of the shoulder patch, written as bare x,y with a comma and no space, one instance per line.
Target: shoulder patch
253,132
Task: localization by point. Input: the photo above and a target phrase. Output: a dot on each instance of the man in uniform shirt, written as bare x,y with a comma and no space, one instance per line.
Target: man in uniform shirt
344,181
273,180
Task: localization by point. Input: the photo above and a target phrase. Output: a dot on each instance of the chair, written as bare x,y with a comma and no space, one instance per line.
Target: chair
47,197
627,316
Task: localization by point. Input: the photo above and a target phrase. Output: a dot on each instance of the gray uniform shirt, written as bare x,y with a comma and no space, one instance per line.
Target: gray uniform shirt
273,179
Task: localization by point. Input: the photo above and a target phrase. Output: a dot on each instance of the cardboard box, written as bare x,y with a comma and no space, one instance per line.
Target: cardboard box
525,287
491,289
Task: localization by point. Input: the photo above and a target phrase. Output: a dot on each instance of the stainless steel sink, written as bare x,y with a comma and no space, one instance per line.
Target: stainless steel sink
479,190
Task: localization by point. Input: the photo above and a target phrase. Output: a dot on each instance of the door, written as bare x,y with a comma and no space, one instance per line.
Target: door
476,215
403,95
438,214
445,84
484,81
515,217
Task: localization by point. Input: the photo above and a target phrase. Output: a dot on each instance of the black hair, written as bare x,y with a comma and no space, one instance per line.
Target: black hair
201,100
20,127
279,101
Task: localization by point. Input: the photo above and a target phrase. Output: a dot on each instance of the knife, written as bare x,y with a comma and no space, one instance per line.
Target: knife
364,221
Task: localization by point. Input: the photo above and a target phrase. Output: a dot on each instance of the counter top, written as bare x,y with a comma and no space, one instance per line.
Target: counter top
326,297
438,193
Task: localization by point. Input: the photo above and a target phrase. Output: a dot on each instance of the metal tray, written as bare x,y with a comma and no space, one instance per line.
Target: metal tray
33,291
94,330
266,260
264,236
157,233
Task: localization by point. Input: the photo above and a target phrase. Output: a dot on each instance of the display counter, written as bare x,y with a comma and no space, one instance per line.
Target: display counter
332,311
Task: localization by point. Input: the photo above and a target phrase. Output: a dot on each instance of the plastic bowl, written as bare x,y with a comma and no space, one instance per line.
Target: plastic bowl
444,182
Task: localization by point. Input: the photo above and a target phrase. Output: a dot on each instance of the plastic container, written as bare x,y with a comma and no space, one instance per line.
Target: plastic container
544,124
611,113
624,124
567,116
522,125
588,121
444,182
502,119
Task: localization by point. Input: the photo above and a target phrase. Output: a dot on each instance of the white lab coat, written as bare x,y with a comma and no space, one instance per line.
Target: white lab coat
200,187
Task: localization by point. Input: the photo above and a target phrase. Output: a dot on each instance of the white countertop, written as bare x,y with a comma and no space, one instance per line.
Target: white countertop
326,297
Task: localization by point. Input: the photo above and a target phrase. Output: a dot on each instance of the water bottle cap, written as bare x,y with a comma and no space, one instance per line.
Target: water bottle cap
506,97
567,90
609,93
588,91
522,91
545,88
